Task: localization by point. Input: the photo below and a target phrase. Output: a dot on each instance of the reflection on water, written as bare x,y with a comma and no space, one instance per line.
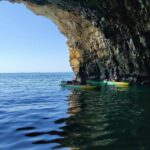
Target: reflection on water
110,119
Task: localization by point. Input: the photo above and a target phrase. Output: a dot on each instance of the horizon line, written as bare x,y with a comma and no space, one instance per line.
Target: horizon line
39,72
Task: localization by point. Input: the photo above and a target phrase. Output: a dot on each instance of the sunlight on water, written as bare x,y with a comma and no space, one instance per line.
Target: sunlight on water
36,113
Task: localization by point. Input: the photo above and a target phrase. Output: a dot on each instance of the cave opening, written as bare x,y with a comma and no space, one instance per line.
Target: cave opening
98,38
30,43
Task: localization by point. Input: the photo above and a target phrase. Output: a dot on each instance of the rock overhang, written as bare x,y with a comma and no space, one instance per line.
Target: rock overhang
111,38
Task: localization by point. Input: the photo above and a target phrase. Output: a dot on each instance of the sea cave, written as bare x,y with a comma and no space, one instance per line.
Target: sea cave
111,39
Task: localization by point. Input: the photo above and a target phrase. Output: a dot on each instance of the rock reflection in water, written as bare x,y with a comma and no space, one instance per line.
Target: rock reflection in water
74,104
112,119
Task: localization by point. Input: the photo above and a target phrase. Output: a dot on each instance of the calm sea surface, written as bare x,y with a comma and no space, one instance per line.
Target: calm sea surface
37,114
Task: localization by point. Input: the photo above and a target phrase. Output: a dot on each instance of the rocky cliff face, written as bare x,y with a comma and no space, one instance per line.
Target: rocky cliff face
110,38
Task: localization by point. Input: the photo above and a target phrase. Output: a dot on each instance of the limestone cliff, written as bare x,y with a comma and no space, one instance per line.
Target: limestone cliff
110,37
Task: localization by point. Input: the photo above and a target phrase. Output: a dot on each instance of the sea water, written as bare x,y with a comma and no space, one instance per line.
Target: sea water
37,114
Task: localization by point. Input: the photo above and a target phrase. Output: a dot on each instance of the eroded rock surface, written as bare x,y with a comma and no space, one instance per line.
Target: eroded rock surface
111,38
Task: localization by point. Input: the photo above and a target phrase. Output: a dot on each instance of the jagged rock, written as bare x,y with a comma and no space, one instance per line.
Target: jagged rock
111,37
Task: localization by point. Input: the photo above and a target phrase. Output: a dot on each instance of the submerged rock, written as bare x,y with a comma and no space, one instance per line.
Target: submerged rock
112,38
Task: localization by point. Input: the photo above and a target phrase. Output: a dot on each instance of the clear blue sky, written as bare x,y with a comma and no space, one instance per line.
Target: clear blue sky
30,43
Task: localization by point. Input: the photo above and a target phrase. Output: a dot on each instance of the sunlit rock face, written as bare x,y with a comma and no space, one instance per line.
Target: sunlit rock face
110,38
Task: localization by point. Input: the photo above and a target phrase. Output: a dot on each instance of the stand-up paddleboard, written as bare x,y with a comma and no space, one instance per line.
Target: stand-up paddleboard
82,87
112,83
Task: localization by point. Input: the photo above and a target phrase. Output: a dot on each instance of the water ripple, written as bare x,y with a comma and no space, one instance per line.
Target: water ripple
35,114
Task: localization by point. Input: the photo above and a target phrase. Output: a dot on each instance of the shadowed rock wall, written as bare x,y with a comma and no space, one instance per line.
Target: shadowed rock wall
110,38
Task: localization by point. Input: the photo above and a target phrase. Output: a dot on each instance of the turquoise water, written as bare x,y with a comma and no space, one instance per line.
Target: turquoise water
37,114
